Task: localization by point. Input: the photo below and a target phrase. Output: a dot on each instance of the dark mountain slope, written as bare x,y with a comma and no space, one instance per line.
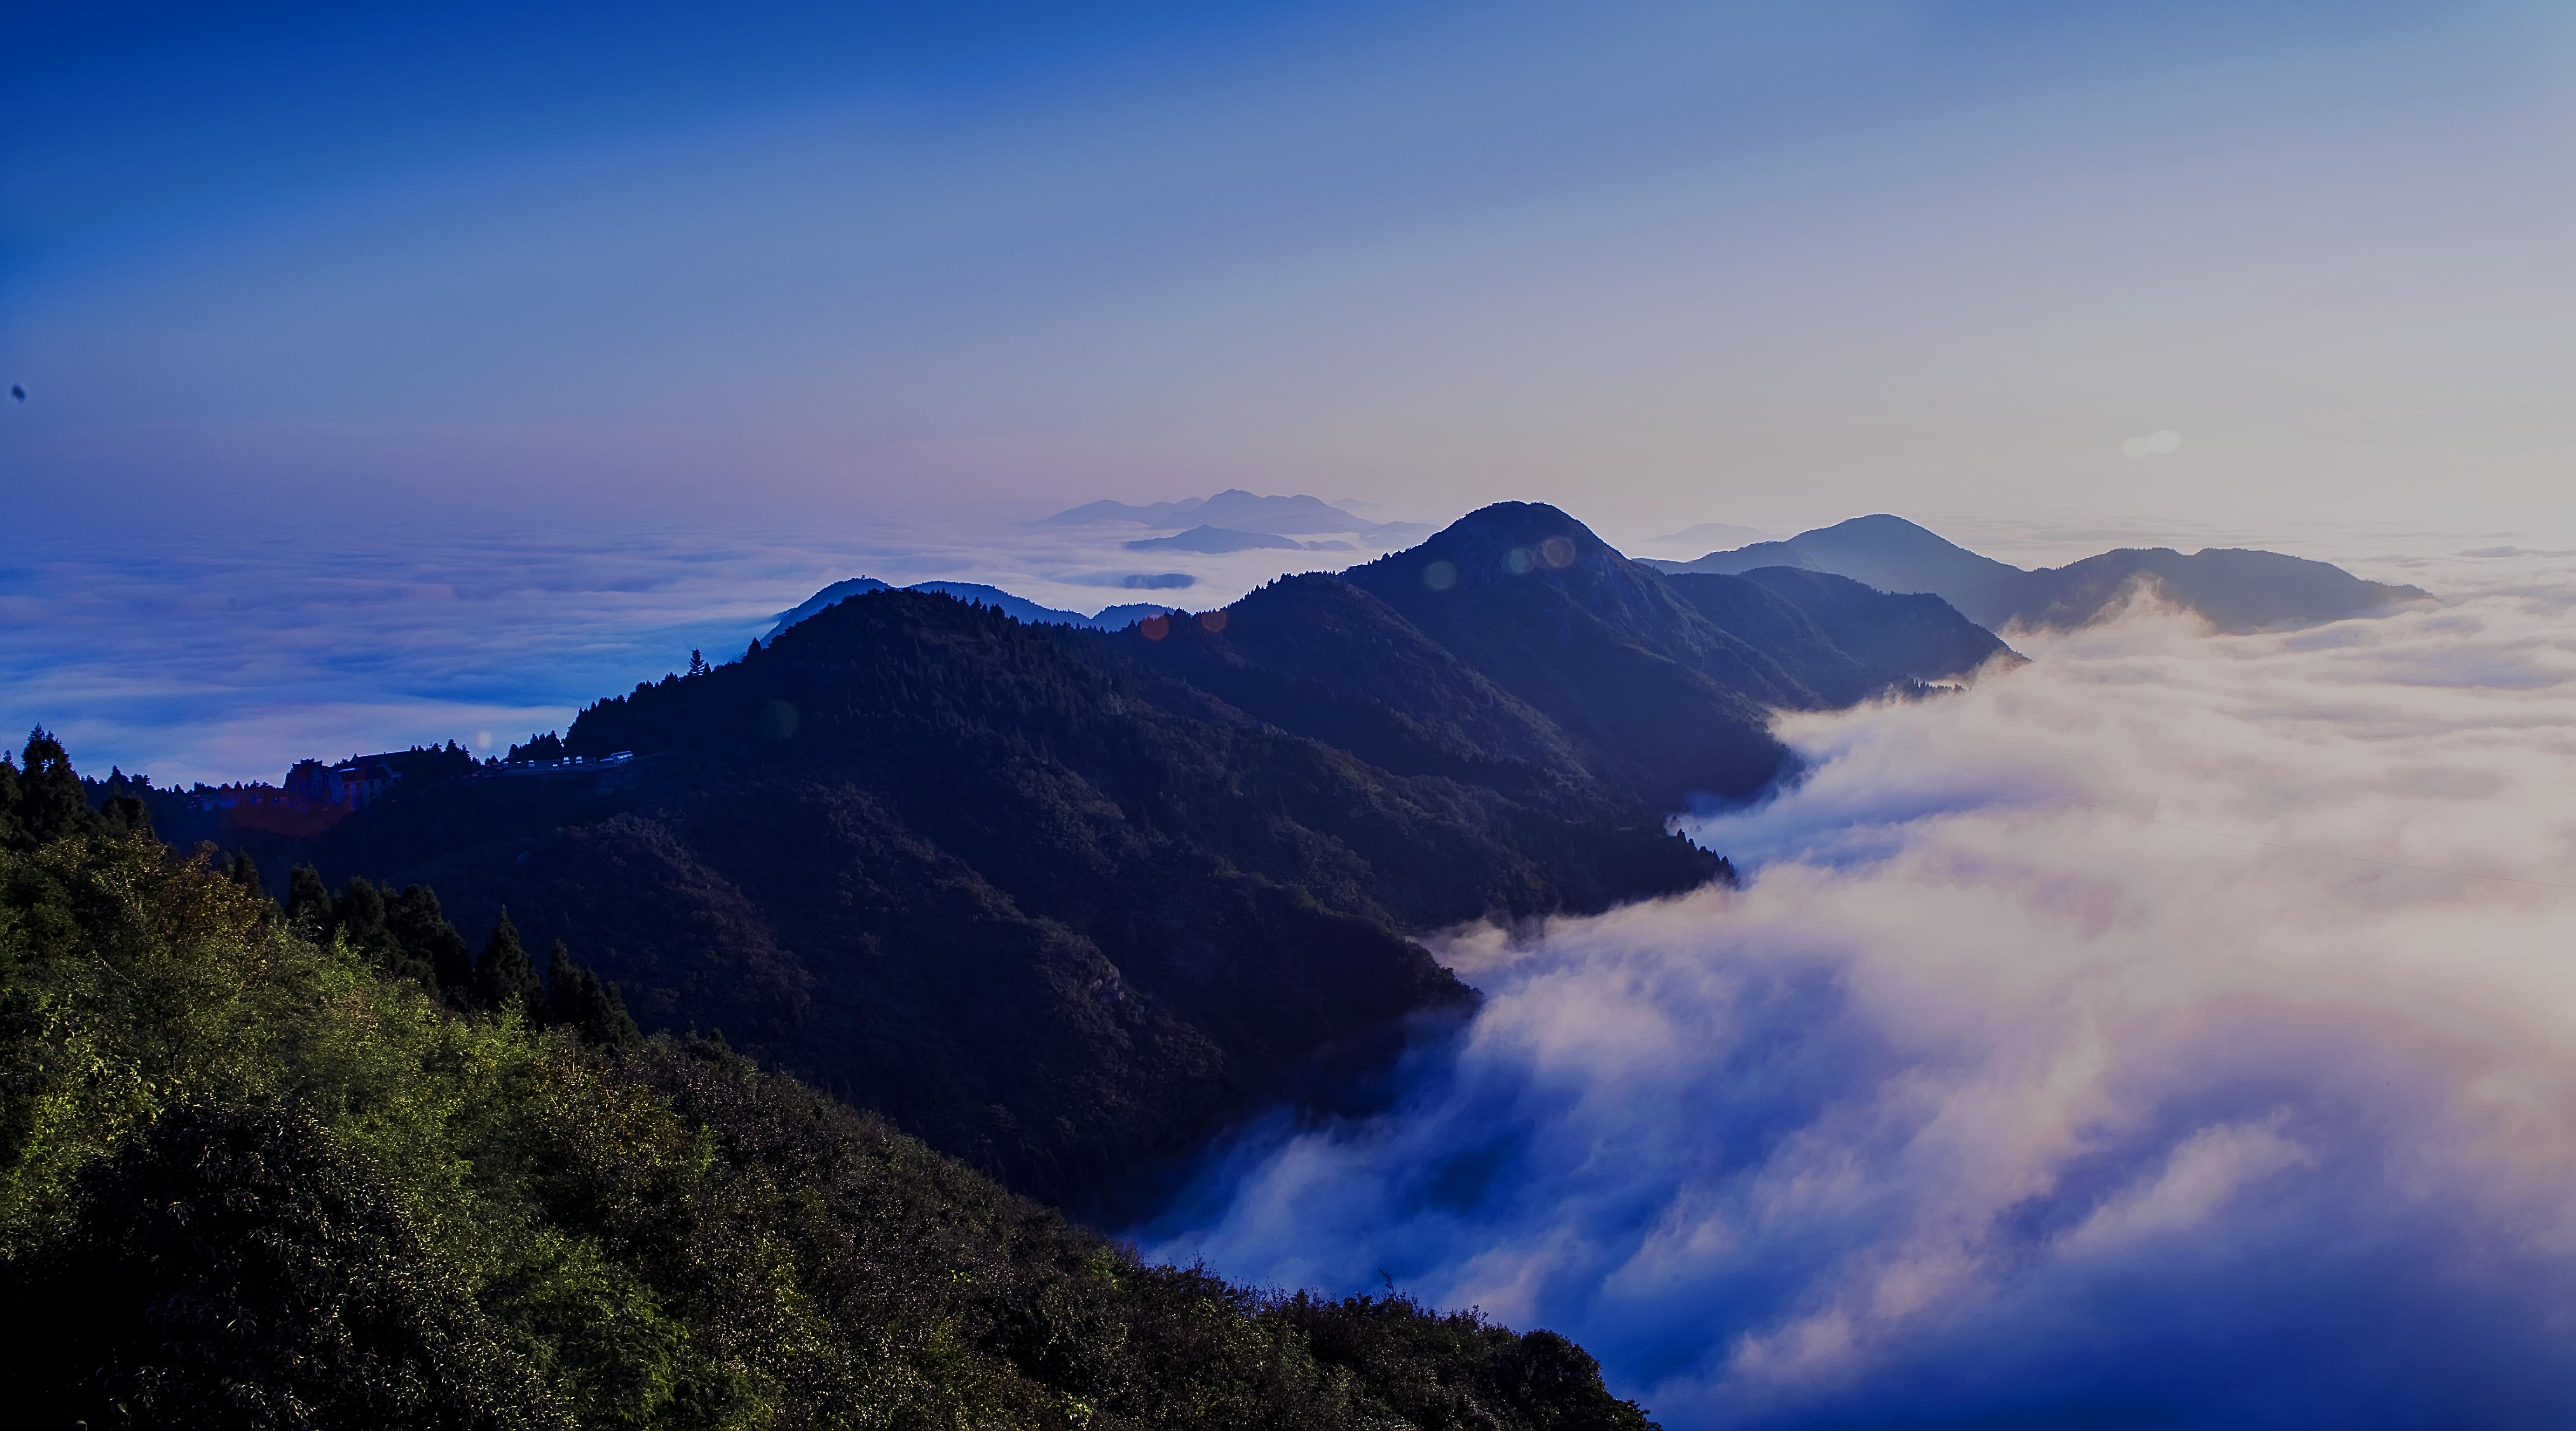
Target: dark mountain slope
1889,553
963,871
1548,642
1657,700
1872,640
2236,590
250,1179
1315,655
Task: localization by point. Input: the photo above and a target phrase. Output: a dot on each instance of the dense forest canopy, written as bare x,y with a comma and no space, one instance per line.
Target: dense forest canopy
319,1165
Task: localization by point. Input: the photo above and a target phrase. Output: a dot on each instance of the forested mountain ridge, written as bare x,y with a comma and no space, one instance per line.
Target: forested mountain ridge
254,1174
950,867
1061,902
1518,637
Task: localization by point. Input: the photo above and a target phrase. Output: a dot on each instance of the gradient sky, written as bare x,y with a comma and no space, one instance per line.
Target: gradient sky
275,265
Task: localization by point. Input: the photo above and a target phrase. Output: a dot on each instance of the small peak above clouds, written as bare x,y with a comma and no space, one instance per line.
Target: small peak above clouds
1233,510
1216,539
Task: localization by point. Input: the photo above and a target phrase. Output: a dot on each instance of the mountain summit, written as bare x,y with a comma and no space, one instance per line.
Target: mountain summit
1516,636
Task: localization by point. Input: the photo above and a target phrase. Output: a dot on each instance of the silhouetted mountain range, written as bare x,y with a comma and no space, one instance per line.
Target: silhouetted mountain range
1222,523
1018,608
1233,509
1519,646
2235,590
1060,901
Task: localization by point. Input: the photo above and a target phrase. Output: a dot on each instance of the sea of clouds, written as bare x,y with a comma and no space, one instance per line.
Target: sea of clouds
193,656
200,651
2177,1030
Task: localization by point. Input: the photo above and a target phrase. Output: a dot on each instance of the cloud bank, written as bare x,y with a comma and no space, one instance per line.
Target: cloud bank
189,656
2180,1030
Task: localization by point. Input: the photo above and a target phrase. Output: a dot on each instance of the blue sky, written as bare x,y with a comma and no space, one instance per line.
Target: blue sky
1661,264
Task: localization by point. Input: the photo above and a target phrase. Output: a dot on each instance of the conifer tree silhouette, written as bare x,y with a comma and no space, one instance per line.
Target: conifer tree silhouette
580,1000
426,935
308,901
505,978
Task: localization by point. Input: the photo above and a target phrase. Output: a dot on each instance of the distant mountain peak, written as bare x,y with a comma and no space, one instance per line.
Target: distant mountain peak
2235,590
1213,539
1509,539
1233,509
1887,526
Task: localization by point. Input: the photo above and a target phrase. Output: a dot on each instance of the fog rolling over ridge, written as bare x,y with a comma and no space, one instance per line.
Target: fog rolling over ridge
2177,1030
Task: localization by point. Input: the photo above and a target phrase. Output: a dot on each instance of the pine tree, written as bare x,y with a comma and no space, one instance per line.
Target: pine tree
50,802
364,919
359,914
548,746
505,978
421,925
308,901
697,662
243,871
8,800
580,1000
125,815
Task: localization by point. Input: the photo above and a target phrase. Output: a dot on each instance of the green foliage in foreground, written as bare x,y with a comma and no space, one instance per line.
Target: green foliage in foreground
249,1180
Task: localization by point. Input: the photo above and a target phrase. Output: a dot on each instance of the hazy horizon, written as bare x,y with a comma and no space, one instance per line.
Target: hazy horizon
306,302
189,657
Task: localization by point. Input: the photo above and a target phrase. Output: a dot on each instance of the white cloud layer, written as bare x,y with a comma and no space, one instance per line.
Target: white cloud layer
189,657
2178,1030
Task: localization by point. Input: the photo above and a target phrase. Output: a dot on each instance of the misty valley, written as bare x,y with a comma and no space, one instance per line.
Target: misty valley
1498,983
